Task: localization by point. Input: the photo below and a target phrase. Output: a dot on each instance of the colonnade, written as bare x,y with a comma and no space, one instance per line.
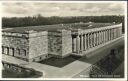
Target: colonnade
85,41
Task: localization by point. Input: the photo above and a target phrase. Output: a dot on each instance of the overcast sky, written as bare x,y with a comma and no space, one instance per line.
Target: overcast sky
20,9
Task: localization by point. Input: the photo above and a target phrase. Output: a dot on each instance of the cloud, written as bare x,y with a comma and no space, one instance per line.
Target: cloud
61,9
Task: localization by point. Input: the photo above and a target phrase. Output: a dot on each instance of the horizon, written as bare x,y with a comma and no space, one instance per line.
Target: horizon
63,16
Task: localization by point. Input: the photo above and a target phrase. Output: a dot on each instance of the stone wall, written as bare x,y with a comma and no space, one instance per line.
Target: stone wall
66,42
15,44
60,43
55,43
38,46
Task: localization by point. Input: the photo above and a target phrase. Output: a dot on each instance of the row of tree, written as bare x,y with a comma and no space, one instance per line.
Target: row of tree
40,20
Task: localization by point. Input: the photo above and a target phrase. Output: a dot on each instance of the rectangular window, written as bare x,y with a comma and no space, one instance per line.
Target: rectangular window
18,51
11,51
24,52
2,49
7,50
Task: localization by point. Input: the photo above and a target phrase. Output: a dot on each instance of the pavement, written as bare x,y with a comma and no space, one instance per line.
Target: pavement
70,70
97,56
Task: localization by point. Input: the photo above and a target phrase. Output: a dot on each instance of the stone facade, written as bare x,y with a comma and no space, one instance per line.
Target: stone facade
15,44
55,43
31,46
36,45
66,43
59,43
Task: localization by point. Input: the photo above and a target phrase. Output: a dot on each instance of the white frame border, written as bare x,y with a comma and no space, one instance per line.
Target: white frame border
125,61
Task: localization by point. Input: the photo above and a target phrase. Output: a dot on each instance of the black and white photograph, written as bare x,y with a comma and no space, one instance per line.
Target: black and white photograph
63,39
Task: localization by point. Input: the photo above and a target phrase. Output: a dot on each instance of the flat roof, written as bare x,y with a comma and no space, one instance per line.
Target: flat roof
57,27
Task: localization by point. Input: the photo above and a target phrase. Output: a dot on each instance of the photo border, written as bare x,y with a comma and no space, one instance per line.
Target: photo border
63,79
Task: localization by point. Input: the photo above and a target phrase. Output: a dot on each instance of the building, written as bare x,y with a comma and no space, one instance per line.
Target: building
36,43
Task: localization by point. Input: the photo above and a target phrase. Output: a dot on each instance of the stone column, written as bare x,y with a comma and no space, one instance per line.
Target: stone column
112,34
94,39
85,45
106,35
109,34
73,44
116,32
120,31
81,42
77,44
89,40
85,42
102,37
98,38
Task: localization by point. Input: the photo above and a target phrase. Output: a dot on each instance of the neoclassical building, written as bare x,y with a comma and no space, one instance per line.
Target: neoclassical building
36,43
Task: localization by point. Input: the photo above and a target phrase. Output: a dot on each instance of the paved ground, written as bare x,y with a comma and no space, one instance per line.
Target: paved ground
71,69
97,55
59,62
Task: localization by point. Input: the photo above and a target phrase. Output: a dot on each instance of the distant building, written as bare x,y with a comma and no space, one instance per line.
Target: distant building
40,42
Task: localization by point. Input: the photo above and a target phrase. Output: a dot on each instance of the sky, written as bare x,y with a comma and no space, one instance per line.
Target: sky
21,9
